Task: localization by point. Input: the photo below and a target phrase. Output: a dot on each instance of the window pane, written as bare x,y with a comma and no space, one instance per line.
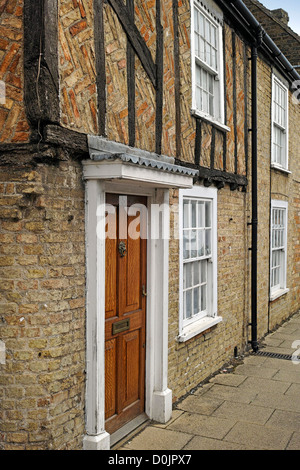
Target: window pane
187,276
196,266
200,243
193,243
194,216
188,303
186,214
207,214
203,271
186,244
201,216
208,242
203,298
196,301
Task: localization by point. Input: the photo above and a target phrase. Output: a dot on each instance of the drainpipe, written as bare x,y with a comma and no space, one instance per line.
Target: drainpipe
258,35
254,223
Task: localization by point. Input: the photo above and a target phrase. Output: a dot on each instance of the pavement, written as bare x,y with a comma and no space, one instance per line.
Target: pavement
254,404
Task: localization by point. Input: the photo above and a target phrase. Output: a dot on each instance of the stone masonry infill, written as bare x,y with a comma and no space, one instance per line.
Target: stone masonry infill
253,406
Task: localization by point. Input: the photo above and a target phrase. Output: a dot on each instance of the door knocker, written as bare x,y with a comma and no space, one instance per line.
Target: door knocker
122,249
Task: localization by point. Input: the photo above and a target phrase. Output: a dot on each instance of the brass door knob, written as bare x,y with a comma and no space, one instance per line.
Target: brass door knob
122,249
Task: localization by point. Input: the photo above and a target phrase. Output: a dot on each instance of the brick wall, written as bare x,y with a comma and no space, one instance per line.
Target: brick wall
13,123
274,184
42,306
286,187
294,207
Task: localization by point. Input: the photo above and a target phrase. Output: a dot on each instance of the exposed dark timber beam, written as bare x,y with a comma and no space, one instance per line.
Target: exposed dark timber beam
135,39
65,138
222,177
100,65
41,77
213,176
177,79
159,79
131,81
198,141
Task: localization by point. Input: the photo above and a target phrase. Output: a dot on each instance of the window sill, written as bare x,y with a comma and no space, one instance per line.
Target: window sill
275,295
197,328
210,120
280,168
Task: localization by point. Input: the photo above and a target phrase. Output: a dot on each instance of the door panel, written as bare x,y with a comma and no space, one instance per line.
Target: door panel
133,275
125,271
110,377
131,369
111,278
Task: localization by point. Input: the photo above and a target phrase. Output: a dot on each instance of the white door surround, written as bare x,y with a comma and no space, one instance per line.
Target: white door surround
142,175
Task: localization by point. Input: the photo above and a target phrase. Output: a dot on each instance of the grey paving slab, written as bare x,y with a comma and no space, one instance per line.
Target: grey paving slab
153,438
274,341
254,359
258,384
206,426
285,420
244,412
260,370
278,401
236,394
232,380
294,389
257,437
279,364
200,404
294,443
288,343
175,414
205,443
288,375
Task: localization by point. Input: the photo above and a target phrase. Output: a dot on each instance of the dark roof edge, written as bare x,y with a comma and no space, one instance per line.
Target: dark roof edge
242,16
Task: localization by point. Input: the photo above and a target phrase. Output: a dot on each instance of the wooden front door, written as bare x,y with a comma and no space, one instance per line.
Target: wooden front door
125,310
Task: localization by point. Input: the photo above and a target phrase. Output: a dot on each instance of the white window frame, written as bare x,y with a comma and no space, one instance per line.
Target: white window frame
189,329
218,117
285,128
281,287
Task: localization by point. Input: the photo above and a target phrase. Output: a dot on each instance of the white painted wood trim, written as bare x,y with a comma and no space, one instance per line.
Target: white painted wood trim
276,76
275,292
158,400
96,437
188,331
114,170
217,121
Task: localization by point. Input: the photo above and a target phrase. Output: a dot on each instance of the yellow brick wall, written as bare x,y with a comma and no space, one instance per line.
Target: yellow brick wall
42,307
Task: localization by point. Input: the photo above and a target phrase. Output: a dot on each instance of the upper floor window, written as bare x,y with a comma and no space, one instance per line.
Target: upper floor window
207,63
279,124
